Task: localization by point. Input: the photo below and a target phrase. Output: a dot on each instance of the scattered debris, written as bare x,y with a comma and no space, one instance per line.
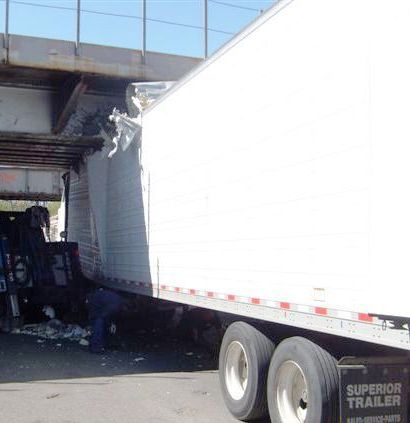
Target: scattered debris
189,353
139,359
52,396
205,393
84,342
49,312
54,329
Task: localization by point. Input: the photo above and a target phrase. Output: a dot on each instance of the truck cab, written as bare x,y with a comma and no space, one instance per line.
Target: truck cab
35,271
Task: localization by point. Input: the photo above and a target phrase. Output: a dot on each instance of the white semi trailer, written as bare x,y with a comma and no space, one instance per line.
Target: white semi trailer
272,183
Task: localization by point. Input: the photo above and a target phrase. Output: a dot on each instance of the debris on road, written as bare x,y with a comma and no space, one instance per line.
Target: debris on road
49,311
52,396
205,393
55,330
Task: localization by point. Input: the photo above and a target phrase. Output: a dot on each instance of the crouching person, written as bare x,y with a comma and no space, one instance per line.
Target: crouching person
103,305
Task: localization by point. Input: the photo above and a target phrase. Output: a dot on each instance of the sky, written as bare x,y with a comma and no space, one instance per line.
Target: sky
31,17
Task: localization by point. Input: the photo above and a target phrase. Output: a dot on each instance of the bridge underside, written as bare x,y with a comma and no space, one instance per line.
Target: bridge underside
45,150
54,100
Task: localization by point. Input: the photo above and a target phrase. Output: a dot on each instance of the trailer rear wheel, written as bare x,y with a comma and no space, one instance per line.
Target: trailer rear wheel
302,384
243,368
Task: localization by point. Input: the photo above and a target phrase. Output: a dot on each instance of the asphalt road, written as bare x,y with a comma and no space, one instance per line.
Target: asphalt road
153,380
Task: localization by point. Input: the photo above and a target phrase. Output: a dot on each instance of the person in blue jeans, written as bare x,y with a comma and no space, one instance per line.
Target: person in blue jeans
102,304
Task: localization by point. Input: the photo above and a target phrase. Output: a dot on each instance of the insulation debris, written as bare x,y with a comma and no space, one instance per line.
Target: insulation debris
84,342
140,95
128,127
54,329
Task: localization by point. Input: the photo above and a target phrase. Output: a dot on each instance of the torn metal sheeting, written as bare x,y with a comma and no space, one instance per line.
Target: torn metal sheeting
128,127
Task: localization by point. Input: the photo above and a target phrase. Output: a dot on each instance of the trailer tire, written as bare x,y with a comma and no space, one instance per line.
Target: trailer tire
303,383
243,369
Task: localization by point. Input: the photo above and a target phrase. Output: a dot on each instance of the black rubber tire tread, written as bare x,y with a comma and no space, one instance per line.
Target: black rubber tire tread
332,380
327,374
259,349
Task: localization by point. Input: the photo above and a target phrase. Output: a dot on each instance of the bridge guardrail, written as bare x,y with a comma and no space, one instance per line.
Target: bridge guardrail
205,21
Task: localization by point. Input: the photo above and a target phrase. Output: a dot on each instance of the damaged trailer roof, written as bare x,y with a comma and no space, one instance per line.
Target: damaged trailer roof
45,150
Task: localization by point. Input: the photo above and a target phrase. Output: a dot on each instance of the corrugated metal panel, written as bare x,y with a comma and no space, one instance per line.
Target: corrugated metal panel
81,227
116,200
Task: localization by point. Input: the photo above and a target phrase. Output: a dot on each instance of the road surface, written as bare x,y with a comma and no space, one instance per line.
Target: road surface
153,380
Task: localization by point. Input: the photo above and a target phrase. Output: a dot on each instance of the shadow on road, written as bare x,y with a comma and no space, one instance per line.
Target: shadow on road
26,358
154,359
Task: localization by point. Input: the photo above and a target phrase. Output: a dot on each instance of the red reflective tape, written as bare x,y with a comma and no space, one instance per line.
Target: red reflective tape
231,297
255,301
163,287
192,291
210,294
321,310
365,317
285,305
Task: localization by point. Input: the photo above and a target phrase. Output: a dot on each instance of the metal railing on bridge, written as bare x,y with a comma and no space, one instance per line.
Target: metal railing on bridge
191,28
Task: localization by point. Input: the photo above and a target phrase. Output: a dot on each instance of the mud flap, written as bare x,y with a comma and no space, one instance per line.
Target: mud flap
374,390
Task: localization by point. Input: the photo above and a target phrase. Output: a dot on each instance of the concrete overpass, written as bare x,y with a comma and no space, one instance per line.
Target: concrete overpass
54,97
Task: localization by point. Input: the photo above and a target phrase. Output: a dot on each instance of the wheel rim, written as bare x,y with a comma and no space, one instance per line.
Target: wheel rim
292,394
236,370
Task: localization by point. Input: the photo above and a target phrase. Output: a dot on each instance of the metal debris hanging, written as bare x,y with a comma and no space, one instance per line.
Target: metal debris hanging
128,126
127,129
